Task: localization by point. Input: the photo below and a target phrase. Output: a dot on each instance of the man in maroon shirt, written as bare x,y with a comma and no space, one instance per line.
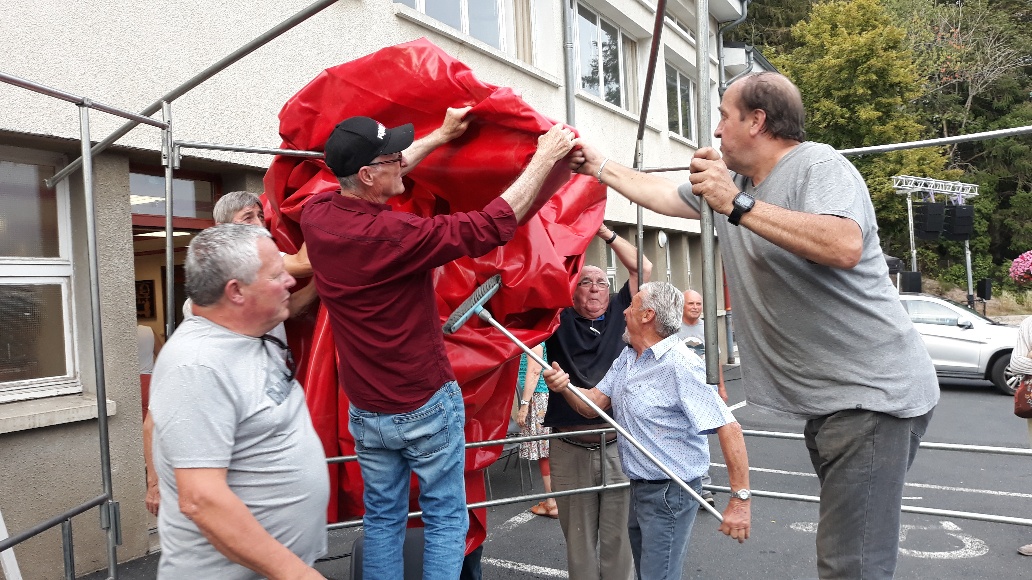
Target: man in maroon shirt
373,271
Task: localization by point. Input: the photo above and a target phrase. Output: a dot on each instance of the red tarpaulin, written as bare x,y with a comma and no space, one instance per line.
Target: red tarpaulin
415,83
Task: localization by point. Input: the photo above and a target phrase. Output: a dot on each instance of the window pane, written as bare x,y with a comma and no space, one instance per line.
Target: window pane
672,105
611,63
409,3
588,37
484,21
447,11
32,340
28,212
687,122
190,198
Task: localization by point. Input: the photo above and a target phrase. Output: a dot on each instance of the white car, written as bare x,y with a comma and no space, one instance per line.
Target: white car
963,344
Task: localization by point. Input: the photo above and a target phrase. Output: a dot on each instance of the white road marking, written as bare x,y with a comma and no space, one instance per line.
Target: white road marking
737,406
973,547
528,568
514,522
916,485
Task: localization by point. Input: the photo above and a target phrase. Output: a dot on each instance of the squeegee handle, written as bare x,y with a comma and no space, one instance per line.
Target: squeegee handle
486,317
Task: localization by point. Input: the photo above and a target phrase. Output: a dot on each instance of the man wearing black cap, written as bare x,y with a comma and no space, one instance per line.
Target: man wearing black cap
373,270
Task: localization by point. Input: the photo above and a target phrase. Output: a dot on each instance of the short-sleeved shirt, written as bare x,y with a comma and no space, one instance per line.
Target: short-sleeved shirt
661,398
373,270
695,331
221,400
815,339
586,348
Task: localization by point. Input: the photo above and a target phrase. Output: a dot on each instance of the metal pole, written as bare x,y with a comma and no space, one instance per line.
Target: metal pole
98,337
729,327
924,444
59,94
486,317
569,17
167,158
639,144
938,142
204,75
705,137
971,284
247,149
910,225
68,548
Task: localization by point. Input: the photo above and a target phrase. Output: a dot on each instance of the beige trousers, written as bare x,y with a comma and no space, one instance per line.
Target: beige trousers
594,523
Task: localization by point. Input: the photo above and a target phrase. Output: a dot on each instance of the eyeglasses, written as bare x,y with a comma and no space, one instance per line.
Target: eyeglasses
288,358
603,284
388,161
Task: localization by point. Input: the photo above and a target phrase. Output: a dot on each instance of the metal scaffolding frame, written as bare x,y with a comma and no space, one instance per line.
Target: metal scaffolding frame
171,154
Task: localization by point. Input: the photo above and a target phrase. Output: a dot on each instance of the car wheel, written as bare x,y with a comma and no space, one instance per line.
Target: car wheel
1004,381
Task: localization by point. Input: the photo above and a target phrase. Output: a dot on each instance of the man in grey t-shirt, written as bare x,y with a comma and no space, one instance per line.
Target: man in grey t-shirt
244,484
825,337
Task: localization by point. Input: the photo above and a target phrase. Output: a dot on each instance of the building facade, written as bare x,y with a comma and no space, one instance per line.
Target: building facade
128,54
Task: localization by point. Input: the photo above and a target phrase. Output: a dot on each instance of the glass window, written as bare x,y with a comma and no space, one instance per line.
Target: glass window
28,211
607,60
931,313
191,198
36,355
680,103
503,24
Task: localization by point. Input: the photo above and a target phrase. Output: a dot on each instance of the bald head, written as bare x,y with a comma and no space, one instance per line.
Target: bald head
692,307
776,96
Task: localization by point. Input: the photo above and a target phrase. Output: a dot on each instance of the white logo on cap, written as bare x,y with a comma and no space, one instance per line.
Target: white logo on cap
381,131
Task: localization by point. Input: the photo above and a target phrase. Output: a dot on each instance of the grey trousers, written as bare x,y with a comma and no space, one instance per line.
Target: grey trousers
594,524
861,458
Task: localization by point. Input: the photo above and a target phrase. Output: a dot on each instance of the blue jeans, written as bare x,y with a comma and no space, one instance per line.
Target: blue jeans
861,458
428,442
659,524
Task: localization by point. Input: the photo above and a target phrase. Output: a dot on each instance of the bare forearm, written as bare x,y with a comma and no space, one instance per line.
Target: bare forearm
297,265
732,445
824,239
300,301
647,190
627,253
231,528
524,190
148,457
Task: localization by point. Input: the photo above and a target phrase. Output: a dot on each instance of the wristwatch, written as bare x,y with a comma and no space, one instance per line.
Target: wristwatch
742,204
524,402
742,494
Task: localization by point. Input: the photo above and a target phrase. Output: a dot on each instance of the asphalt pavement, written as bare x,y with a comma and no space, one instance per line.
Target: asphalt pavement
522,546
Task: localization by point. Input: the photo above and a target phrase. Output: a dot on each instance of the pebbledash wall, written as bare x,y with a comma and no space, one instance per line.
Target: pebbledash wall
128,53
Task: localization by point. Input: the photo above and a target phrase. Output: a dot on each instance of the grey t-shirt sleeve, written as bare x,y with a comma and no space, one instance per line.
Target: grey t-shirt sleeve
690,199
833,189
195,418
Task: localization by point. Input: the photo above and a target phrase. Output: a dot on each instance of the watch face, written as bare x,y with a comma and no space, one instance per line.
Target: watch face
744,201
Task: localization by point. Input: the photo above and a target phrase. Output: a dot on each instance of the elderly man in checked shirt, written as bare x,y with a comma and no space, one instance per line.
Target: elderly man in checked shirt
657,390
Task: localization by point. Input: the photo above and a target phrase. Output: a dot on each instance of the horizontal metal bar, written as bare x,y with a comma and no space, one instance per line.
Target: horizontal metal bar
81,101
905,509
246,149
924,444
197,79
1000,133
54,521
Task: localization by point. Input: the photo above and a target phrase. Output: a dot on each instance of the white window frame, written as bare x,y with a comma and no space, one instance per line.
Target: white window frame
692,137
506,24
50,271
628,94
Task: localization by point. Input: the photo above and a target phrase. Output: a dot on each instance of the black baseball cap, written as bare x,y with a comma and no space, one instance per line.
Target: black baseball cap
356,141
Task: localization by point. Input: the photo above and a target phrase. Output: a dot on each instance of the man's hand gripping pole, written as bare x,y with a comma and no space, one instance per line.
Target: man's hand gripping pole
475,305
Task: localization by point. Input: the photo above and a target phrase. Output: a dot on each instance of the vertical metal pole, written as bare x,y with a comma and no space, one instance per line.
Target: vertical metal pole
98,337
910,225
569,17
729,327
69,551
170,246
709,261
971,284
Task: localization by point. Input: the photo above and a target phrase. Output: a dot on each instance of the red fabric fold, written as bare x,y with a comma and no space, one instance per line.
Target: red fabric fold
415,83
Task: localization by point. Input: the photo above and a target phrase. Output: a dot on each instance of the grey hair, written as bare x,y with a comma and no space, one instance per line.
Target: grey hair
667,302
228,205
219,254
348,182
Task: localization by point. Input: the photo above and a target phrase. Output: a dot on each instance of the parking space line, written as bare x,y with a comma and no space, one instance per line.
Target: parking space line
528,568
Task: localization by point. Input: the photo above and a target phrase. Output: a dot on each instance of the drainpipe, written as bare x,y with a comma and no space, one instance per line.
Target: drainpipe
721,85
